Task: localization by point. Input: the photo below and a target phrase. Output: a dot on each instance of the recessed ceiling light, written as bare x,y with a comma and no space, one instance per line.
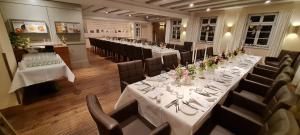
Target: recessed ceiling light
267,1
147,17
106,12
129,15
208,9
191,5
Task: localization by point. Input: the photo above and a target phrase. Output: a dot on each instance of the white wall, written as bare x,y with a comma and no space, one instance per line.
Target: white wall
6,100
237,18
49,12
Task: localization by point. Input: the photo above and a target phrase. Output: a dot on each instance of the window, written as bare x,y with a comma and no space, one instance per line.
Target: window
137,31
207,29
259,29
176,24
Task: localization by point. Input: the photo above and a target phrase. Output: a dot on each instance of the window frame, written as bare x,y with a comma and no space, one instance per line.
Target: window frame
137,30
208,24
260,24
178,27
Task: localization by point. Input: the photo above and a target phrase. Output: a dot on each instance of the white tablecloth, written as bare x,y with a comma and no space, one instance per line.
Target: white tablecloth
181,123
35,75
156,51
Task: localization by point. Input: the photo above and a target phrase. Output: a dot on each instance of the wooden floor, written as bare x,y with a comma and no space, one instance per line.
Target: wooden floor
65,112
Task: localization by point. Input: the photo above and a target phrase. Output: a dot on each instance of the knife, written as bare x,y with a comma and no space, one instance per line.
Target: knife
186,103
171,103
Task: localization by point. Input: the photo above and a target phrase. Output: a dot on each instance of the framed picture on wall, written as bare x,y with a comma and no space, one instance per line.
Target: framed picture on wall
29,26
67,27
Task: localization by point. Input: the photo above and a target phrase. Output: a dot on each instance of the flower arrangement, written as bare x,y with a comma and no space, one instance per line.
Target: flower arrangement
185,72
18,41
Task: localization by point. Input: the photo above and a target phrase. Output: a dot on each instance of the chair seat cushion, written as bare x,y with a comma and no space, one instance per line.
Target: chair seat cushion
136,125
252,96
246,113
272,63
219,130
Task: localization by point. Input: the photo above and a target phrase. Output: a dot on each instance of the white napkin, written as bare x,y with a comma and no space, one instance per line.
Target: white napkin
211,99
154,94
199,100
218,85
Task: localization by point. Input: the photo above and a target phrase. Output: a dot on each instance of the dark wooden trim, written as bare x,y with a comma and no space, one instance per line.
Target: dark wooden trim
7,66
99,9
152,1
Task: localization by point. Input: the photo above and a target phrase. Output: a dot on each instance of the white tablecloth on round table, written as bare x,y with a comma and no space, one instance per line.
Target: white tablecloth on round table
35,75
181,123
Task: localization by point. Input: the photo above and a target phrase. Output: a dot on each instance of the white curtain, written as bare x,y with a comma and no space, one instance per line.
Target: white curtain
282,25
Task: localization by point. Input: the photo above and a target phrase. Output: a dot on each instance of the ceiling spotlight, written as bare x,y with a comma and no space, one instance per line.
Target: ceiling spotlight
147,17
106,12
129,15
208,9
191,5
267,1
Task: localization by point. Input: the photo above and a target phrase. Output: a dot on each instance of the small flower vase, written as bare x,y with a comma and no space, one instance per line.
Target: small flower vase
186,81
210,69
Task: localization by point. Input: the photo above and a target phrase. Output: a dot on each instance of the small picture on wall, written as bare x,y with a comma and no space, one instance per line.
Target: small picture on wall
91,31
97,31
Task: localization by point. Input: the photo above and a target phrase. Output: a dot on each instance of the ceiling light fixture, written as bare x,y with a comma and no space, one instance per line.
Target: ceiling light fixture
147,17
106,12
191,5
208,9
267,1
129,15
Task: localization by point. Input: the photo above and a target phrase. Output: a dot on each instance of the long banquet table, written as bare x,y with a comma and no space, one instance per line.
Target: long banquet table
156,51
204,93
34,75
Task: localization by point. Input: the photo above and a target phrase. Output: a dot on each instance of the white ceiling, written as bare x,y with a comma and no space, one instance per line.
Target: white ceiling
153,10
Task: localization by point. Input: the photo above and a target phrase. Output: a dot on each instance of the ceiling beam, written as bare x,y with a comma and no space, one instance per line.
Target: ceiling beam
88,7
125,13
99,9
113,11
152,1
177,3
234,4
201,3
207,5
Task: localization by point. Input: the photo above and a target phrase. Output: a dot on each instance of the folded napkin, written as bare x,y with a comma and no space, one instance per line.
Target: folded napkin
154,94
219,86
199,100
211,99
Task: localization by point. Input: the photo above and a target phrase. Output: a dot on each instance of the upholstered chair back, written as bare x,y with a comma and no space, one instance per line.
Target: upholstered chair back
153,66
105,124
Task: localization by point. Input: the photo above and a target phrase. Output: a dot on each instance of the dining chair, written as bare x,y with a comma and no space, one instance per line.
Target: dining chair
296,63
268,81
200,54
130,72
269,73
186,58
180,48
147,53
258,110
153,66
274,61
261,92
188,46
210,52
170,62
225,121
123,121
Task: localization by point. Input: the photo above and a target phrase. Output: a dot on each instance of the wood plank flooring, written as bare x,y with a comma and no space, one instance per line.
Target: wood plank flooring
65,112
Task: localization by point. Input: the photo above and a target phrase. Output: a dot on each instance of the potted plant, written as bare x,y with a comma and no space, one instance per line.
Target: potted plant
19,45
